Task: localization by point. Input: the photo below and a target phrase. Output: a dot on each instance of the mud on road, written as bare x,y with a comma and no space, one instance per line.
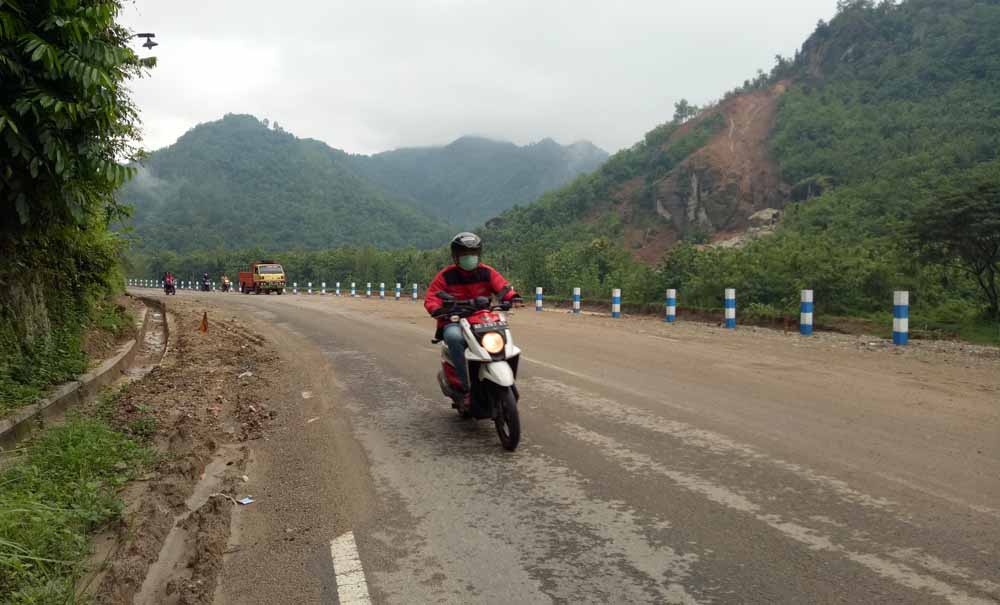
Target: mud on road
209,396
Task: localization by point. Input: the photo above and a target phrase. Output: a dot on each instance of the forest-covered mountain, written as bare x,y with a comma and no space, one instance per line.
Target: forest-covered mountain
237,182
886,109
474,179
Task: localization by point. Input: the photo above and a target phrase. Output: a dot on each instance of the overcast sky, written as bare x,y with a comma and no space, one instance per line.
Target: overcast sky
372,75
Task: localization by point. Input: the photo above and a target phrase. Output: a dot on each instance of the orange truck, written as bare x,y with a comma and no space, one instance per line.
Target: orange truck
264,277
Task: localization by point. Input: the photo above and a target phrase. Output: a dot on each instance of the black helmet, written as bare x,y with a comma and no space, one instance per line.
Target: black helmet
466,243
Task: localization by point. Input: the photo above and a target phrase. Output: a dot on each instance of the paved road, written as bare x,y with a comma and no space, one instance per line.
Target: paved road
659,464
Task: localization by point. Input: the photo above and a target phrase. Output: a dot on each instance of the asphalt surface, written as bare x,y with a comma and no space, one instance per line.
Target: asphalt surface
659,464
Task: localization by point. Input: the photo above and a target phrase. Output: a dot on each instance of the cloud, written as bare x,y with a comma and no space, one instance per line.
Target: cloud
369,76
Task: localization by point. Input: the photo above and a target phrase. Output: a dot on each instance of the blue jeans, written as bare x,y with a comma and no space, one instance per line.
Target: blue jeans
455,339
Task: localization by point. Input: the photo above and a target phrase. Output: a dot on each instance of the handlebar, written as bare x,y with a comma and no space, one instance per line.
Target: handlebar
469,306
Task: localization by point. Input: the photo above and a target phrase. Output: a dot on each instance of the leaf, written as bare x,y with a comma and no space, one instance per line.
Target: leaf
22,208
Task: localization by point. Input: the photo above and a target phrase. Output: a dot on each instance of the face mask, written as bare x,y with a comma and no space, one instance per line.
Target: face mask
468,262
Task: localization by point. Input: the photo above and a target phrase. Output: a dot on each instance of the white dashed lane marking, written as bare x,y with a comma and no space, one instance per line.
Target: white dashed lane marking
352,588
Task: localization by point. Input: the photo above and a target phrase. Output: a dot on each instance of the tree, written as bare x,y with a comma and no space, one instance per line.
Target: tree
684,111
67,121
962,229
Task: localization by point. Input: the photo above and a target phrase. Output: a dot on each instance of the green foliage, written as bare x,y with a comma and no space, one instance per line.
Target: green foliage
65,113
963,227
65,487
235,183
474,179
66,120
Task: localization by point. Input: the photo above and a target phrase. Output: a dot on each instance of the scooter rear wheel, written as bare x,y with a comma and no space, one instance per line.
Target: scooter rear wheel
507,422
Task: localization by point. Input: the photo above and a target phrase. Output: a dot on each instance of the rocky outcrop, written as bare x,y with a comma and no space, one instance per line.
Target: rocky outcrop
719,187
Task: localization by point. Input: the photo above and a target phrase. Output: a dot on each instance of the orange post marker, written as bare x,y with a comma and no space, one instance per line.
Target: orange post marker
204,323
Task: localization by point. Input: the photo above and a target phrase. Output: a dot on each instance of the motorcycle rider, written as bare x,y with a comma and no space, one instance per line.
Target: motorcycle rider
467,278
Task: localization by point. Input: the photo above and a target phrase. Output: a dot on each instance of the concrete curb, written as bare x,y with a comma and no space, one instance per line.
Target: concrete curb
25,420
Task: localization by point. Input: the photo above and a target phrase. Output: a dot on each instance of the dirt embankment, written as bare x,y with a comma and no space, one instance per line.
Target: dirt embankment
100,343
717,191
212,393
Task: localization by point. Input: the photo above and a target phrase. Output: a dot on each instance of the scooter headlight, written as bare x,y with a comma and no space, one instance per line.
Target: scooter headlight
492,342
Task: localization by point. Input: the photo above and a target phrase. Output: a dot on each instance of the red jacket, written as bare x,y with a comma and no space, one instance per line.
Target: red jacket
462,284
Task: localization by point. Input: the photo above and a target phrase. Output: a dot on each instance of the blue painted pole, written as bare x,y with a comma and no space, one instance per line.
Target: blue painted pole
731,308
900,317
368,290
538,298
399,290
381,290
414,292
671,305
806,313
354,291
616,303
576,301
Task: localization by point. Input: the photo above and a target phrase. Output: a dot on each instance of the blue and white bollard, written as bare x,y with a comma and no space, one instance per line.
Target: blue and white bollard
295,287
354,291
730,308
368,291
616,303
399,290
671,305
900,317
322,288
538,298
576,301
338,289
310,286
414,292
381,290
806,313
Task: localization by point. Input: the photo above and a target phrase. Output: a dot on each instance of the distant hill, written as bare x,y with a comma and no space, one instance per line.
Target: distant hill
474,179
237,182
877,108
885,109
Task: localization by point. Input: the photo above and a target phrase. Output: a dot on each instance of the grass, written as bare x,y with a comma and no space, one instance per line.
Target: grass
63,487
28,370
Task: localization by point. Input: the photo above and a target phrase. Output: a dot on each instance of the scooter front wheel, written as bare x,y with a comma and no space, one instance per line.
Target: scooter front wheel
507,421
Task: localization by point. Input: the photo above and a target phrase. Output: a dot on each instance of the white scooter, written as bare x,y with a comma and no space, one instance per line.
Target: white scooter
491,359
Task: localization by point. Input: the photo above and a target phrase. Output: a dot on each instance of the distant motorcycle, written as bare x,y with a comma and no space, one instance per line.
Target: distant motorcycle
492,362
169,287
225,285
206,285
